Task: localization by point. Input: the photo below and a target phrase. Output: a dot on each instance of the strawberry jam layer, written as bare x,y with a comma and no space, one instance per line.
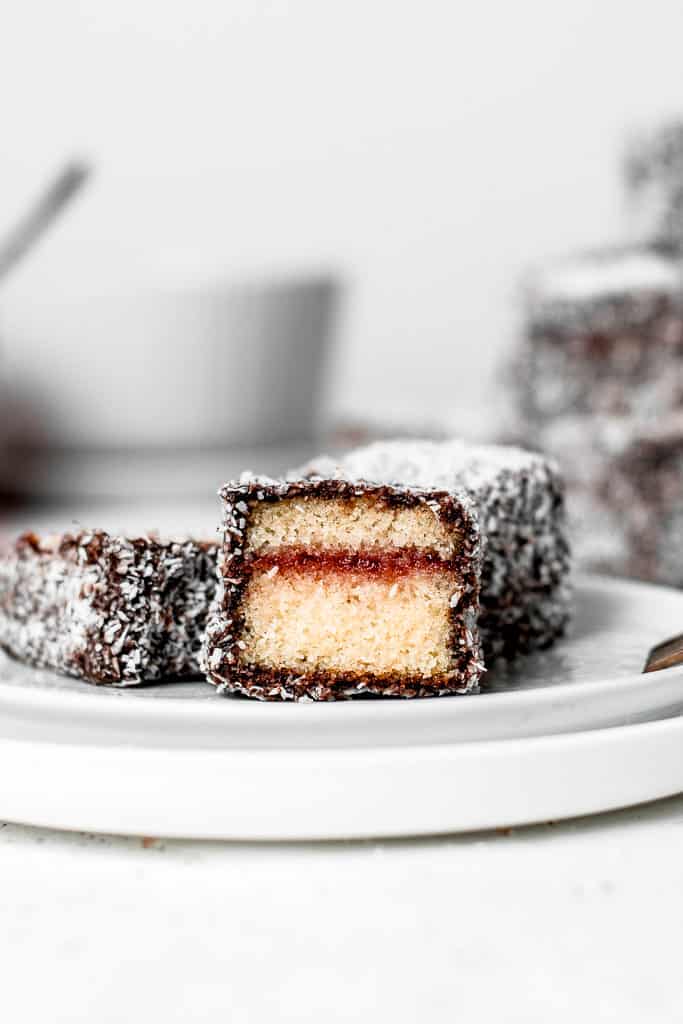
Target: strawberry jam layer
386,564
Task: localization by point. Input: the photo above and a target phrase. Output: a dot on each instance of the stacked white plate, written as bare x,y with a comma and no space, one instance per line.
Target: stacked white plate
572,731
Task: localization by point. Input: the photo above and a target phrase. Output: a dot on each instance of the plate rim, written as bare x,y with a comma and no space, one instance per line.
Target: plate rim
280,793
311,713
183,796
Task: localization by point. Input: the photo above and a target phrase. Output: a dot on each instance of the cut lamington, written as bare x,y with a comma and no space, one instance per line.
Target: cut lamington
363,575
108,609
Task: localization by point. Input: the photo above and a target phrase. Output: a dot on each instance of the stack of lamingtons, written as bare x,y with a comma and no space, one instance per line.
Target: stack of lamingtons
601,378
401,569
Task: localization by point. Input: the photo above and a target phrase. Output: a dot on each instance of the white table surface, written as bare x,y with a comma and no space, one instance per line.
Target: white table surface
574,921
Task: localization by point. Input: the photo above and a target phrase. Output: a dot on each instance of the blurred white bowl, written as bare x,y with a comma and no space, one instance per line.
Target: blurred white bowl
187,368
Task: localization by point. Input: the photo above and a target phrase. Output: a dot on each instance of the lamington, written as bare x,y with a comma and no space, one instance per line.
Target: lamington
109,609
383,572
642,487
653,173
603,337
601,370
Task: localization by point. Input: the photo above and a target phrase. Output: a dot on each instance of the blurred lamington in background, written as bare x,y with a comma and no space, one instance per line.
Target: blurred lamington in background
600,375
653,170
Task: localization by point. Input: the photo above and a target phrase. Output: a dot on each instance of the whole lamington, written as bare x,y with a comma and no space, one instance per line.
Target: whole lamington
604,337
109,609
383,572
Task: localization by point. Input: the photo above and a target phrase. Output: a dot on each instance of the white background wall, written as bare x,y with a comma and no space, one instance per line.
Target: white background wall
427,150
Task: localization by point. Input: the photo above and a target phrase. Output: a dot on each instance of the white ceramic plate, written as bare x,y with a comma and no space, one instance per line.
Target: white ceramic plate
551,736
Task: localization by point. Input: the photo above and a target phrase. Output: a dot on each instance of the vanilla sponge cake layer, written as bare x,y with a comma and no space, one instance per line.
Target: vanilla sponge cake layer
348,524
326,620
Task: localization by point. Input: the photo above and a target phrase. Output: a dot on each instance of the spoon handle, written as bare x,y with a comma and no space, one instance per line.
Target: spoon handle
36,220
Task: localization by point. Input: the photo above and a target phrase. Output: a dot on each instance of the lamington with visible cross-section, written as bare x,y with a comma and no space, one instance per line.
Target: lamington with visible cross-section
109,609
381,572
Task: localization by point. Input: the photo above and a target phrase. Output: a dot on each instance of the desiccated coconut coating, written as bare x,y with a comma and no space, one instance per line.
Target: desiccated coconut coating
519,497
108,609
